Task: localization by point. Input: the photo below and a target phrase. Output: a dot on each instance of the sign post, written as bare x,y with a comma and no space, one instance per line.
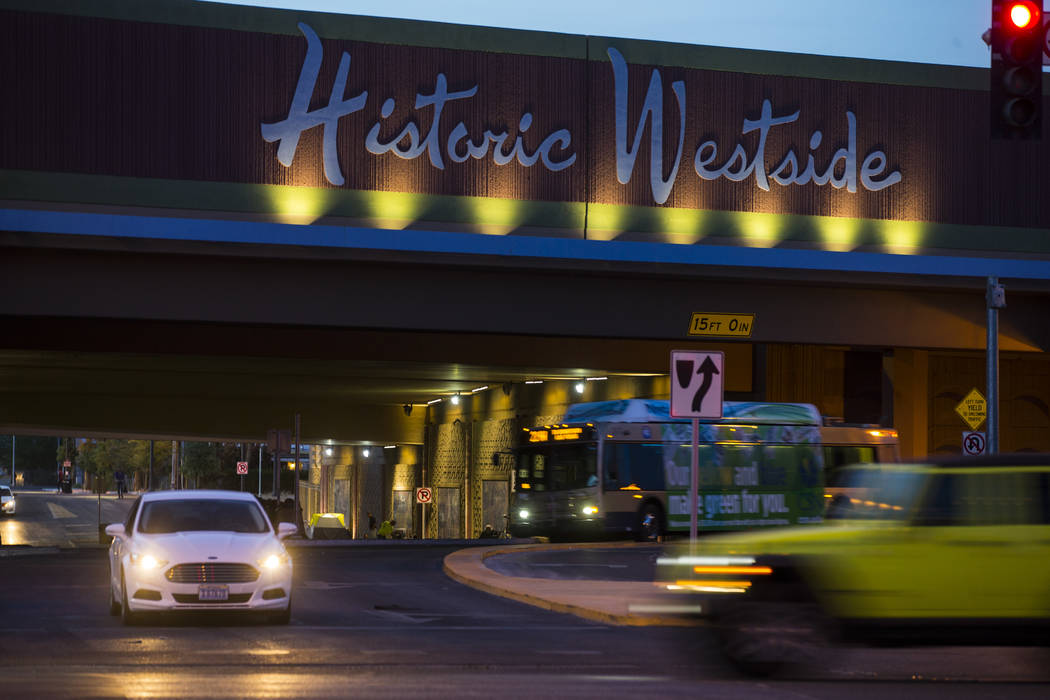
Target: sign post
242,469
423,496
696,392
995,299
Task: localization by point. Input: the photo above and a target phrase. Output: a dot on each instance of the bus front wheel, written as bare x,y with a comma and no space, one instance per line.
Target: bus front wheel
650,521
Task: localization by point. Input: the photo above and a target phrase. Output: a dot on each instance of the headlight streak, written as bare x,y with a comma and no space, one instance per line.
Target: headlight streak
705,561
714,584
715,566
759,570
704,589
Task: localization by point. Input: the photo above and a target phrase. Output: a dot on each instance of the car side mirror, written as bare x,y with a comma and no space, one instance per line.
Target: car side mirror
285,530
116,530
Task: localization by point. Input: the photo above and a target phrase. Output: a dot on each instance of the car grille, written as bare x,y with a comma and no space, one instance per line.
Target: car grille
186,598
212,573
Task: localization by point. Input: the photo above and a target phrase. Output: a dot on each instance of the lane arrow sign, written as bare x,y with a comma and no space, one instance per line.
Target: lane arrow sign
707,370
697,383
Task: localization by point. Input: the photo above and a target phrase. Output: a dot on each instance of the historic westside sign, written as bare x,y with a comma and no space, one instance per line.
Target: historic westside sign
352,105
555,151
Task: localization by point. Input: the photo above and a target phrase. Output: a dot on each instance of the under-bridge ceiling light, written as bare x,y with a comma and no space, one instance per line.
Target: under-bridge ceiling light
596,379
534,381
480,388
366,452
579,387
455,399
434,401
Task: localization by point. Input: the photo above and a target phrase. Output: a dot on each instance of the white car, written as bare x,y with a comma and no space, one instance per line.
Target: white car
7,500
199,550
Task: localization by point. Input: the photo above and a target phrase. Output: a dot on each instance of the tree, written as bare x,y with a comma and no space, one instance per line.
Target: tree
102,458
161,461
201,462
34,457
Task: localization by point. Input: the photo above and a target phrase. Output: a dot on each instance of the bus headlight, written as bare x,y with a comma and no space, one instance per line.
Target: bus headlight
523,514
590,510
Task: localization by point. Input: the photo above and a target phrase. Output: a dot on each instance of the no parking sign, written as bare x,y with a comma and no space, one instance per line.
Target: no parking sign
423,495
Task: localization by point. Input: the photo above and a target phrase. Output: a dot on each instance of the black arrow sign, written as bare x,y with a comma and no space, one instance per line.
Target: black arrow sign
708,369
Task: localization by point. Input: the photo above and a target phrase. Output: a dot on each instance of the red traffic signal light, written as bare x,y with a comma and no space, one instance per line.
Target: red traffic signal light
1023,14
1017,70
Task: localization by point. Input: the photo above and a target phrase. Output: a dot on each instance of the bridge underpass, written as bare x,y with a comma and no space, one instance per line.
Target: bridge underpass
233,382
217,341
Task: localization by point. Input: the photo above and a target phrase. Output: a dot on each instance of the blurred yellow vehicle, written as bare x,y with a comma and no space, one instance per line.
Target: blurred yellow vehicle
952,552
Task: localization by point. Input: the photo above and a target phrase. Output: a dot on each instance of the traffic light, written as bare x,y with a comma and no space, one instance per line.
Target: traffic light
1017,69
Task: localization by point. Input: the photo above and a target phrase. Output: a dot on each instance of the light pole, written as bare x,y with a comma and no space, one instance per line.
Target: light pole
995,299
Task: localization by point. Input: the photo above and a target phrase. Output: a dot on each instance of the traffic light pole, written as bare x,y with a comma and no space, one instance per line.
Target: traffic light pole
995,299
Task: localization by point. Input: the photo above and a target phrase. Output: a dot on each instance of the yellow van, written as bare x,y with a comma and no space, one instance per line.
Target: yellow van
948,552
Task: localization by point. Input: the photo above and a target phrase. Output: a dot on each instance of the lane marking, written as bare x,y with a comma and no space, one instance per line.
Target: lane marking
604,566
58,511
568,652
334,585
444,628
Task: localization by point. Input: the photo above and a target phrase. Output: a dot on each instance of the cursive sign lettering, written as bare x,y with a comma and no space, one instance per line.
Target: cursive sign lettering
300,118
841,170
554,153
409,143
740,167
653,111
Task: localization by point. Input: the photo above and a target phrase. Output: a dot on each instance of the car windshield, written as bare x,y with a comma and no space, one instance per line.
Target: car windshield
874,493
4,491
189,515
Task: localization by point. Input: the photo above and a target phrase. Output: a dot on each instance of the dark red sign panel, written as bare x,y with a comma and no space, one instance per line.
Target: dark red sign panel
175,102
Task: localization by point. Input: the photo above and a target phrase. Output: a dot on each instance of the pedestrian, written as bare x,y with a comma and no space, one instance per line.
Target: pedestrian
119,476
371,526
385,530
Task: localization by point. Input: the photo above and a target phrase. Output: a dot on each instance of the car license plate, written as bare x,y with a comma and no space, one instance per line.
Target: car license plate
213,593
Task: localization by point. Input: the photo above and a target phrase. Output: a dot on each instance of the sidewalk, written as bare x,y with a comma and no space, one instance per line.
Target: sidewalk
612,602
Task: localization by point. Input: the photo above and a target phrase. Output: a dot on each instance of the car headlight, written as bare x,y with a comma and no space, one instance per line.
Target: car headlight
10,505
146,561
523,514
275,561
590,510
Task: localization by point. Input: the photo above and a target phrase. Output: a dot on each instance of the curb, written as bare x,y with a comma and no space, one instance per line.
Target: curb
467,566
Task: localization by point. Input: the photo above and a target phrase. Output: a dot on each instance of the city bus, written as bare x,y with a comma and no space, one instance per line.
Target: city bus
623,467
856,444
845,445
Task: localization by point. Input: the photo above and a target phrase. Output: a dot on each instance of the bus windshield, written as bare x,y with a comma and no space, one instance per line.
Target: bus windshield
557,467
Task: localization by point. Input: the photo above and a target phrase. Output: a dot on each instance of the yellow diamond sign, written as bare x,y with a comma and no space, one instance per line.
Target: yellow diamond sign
973,409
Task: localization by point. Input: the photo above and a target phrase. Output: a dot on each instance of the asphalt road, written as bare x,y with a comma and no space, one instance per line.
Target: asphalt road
382,620
52,519
612,564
